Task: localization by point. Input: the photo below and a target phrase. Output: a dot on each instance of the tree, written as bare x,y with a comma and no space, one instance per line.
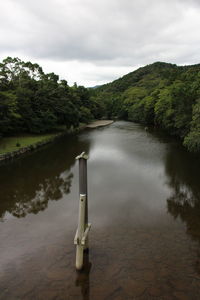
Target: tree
192,140
9,116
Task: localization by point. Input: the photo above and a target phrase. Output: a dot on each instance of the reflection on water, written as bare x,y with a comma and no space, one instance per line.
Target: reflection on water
144,206
31,182
49,190
184,202
83,277
183,171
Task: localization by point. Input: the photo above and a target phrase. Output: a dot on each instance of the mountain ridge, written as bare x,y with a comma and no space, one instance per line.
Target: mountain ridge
160,94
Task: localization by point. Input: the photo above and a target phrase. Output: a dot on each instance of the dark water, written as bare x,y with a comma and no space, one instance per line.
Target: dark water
144,206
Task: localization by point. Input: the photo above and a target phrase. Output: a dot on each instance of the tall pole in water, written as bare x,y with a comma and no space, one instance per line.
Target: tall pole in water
83,181
81,237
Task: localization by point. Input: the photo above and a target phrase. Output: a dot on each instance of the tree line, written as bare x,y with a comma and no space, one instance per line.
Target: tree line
162,95
34,102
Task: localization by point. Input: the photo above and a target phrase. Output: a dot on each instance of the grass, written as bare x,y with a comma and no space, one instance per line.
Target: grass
10,144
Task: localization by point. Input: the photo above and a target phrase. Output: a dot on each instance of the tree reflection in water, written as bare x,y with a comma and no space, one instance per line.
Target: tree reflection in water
48,191
27,184
183,173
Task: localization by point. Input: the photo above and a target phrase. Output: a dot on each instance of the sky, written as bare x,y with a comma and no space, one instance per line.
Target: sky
92,42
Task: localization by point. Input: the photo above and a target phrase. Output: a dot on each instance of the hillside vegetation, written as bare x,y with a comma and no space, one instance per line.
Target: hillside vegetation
161,94
34,102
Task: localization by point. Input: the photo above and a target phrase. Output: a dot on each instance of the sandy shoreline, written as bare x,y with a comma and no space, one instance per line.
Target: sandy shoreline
99,123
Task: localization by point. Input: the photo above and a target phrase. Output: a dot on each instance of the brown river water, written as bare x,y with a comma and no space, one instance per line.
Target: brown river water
144,206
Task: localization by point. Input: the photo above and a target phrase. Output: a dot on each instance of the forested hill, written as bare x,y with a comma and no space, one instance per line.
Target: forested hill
161,94
34,102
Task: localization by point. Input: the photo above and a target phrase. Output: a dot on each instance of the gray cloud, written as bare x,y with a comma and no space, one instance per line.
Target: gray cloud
105,33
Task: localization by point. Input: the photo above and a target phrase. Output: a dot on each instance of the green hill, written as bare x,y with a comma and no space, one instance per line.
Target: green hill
161,94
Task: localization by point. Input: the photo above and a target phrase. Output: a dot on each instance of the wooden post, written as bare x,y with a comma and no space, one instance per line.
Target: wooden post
81,237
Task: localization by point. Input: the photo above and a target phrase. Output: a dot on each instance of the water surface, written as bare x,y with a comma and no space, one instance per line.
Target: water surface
144,206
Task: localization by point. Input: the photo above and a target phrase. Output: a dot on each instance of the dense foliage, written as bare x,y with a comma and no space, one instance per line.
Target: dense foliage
162,95
34,102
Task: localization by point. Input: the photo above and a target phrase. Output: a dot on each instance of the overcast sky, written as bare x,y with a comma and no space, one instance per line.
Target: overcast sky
96,41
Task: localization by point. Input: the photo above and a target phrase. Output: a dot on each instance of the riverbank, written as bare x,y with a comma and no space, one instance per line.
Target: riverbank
13,147
99,123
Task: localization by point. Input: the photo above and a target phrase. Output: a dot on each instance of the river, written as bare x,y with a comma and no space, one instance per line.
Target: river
144,206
